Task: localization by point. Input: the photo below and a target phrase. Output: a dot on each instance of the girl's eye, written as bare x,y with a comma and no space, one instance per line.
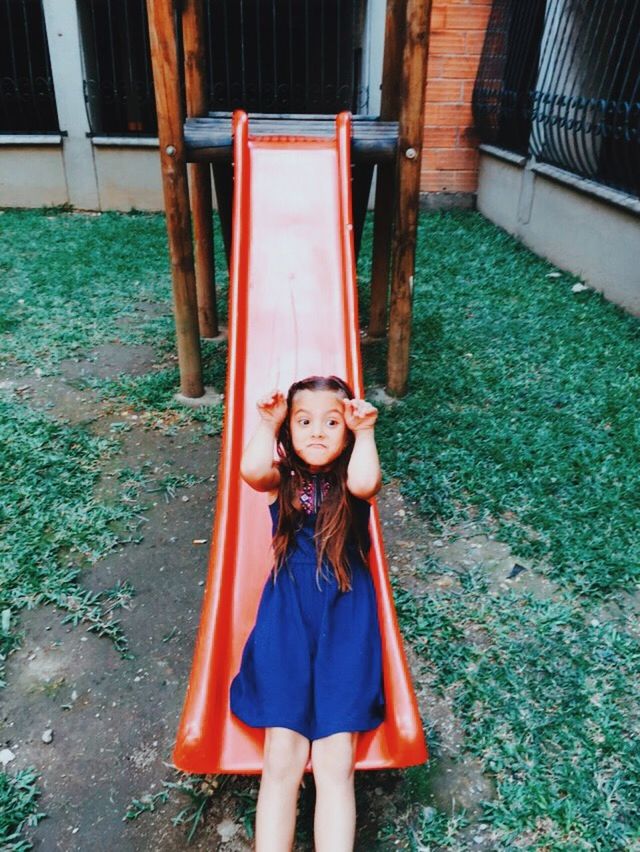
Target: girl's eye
333,422
303,421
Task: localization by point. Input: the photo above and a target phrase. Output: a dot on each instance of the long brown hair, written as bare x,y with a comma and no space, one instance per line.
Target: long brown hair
335,515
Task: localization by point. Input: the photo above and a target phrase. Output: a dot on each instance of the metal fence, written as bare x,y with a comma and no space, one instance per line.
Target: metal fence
561,82
27,100
274,56
118,81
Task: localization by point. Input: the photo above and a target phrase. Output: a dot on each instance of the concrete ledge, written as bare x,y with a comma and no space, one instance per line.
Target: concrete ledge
590,187
503,154
582,184
125,141
579,225
30,138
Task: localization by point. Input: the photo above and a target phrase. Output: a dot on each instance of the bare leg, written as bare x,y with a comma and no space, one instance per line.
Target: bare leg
285,756
333,760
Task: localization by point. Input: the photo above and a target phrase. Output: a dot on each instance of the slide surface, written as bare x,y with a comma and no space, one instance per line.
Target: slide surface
292,313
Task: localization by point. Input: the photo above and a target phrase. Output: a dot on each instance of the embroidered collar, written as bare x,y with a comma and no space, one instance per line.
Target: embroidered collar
312,492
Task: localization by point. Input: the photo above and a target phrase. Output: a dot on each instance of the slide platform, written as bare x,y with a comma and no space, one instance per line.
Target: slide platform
292,313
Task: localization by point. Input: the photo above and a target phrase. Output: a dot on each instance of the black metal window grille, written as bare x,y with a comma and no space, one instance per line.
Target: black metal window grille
27,98
286,56
576,99
118,80
503,91
273,56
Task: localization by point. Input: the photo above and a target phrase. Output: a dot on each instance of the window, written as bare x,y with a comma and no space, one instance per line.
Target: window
569,74
277,56
27,100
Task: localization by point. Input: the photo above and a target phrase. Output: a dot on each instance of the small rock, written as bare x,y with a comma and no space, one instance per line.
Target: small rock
579,287
6,756
378,791
47,736
438,542
227,829
428,813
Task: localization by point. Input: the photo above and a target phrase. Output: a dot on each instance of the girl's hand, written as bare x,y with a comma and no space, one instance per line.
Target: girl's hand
359,414
272,408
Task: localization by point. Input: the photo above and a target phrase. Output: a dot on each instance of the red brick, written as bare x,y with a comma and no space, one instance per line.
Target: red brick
438,18
444,91
435,67
468,137
460,68
440,137
433,180
467,17
474,42
459,159
448,115
466,181
444,43
467,91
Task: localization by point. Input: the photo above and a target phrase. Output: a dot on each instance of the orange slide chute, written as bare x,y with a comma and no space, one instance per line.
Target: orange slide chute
292,313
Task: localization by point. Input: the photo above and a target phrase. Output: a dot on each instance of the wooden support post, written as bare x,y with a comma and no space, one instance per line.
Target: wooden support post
166,78
223,181
193,21
382,222
410,135
362,175
385,177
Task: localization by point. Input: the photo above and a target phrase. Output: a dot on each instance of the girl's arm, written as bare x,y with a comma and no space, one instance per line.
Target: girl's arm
364,477
258,468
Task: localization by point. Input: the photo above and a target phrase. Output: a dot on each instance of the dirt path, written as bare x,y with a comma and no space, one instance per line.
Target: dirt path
114,719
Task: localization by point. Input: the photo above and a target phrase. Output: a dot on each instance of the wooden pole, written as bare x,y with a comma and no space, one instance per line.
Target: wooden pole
193,22
166,78
410,136
385,177
361,190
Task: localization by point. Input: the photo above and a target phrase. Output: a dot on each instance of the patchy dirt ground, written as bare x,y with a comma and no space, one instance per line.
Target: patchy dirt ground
113,719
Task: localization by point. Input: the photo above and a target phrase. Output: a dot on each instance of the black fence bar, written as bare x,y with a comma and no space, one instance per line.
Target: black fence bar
560,81
279,56
27,98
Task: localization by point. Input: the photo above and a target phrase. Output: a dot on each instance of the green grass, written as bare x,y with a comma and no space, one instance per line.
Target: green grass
520,410
519,405
52,527
548,703
67,278
18,808
152,394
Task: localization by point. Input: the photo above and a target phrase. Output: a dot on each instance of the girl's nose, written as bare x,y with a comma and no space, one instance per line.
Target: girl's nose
318,430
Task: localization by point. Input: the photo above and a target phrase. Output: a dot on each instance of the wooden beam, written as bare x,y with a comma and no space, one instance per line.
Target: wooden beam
385,177
193,23
362,174
382,222
166,77
410,136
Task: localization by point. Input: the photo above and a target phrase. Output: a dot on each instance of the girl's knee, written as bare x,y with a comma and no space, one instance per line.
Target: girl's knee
286,754
334,758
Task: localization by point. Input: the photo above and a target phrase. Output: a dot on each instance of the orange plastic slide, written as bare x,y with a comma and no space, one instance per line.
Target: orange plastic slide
292,313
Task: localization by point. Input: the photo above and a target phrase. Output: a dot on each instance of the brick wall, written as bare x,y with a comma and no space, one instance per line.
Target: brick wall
450,156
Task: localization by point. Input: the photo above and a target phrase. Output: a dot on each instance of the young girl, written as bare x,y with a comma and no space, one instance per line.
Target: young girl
311,670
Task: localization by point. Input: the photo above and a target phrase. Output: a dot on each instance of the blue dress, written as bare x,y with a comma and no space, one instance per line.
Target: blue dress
313,661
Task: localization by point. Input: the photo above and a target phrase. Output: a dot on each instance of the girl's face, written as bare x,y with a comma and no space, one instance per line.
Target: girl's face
318,430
